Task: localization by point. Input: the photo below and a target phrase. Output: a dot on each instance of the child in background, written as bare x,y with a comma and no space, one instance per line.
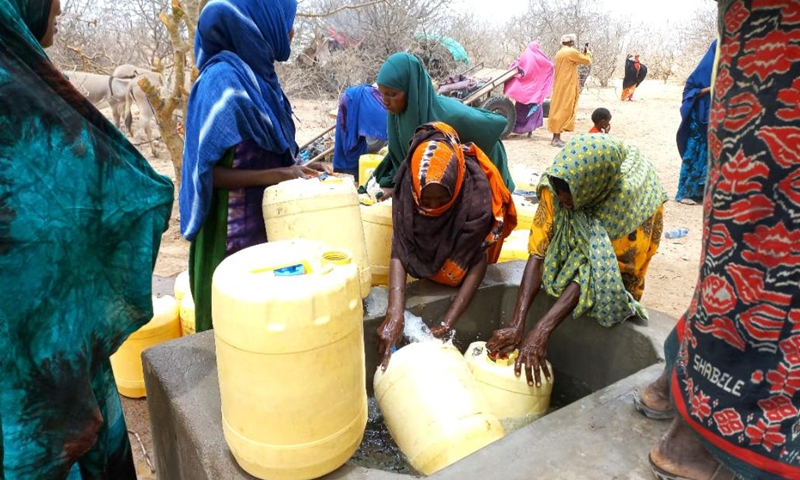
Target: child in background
602,121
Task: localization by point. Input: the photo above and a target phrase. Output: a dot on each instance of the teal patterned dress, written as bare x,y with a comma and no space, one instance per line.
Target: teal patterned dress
81,218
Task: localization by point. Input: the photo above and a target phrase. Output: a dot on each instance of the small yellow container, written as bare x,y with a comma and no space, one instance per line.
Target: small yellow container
433,407
288,323
366,165
525,212
508,396
515,247
187,315
322,211
126,363
377,221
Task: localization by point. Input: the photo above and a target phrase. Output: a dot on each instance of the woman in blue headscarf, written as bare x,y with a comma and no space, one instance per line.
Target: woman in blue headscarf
240,137
692,141
81,219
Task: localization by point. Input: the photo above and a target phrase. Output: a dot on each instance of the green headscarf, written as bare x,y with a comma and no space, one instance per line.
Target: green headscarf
81,219
403,71
615,189
35,14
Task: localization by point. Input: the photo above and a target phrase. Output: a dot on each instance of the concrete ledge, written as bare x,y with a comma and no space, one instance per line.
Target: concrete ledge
600,436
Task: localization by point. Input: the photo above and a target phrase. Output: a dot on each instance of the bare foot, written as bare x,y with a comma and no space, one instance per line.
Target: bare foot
680,453
656,395
558,143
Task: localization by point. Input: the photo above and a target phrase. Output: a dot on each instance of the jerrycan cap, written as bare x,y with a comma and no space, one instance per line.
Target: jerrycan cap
502,360
336,257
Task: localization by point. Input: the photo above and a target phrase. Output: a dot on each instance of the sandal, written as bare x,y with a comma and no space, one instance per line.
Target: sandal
649,412
721,473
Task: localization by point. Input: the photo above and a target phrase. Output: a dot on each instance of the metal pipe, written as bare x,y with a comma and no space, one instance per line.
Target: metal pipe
318,137
320,156
490,86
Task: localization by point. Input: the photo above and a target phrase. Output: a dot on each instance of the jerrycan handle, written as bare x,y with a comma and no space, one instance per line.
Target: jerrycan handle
285,269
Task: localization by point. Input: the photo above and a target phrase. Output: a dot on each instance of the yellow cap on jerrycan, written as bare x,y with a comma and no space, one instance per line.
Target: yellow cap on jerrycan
377,221
288,324
432,406
323,211
508,396
126,363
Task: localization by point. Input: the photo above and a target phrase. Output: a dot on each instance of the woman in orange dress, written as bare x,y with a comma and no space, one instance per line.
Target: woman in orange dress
451,213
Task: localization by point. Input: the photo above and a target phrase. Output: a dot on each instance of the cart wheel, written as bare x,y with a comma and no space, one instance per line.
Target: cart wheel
504,107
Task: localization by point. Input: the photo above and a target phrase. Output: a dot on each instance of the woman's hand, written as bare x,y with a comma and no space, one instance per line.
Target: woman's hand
705,91
388,334
320,167
505,340
300,171
443,330
533,354
387,194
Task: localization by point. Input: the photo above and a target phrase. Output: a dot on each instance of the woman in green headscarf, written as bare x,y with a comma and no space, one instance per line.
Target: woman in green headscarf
597,225
81,219
411,101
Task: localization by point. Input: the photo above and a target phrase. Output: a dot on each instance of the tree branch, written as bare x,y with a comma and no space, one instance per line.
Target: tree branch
340,9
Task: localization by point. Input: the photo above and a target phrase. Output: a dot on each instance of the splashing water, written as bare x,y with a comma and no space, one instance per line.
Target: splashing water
415,329
417,332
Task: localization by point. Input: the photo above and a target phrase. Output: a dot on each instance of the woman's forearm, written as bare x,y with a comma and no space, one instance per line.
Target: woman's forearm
565,304
466,292
232,179
528,289
397,287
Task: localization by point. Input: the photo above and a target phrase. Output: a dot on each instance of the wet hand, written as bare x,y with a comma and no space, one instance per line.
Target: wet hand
533,354
387,335
442,331
504,341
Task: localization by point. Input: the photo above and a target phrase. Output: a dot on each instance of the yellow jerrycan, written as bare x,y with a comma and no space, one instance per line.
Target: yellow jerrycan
515,247
377,221
432,406
366,165
324,211
126,363
509,397
187,315
183,294
525,212
181,287
290,355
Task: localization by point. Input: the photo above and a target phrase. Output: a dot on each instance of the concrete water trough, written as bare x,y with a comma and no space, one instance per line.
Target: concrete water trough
593,433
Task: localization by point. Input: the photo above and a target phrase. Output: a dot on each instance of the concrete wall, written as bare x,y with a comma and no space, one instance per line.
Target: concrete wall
599,436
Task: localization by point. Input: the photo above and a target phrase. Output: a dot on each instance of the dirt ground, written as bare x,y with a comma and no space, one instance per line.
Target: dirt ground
649,122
